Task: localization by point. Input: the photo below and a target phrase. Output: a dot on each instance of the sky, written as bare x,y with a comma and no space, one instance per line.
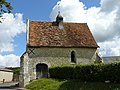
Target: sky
102,17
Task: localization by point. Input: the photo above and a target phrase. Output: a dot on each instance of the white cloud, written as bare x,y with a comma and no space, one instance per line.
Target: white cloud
106,24
11,26
9,60
109,5
110,48
104,21
69,9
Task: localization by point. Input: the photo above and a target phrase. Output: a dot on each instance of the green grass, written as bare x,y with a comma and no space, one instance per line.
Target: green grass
53,84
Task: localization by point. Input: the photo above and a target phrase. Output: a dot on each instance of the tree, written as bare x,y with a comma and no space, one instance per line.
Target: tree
5,7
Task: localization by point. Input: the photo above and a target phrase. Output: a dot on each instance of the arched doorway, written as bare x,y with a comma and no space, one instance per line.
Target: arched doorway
73,57
41,71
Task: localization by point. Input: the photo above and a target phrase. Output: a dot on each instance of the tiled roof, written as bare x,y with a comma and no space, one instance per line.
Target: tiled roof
42,33
6,70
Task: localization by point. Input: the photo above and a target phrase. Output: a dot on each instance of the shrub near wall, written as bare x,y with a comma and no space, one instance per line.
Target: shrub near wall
63,72
111,72
95,72
86,72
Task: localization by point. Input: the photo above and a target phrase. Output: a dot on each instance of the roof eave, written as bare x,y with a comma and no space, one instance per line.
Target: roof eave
63,46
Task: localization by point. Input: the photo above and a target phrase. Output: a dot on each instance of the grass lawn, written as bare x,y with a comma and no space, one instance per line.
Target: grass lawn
53,84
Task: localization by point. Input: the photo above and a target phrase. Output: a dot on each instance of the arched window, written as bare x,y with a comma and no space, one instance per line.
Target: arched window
73,57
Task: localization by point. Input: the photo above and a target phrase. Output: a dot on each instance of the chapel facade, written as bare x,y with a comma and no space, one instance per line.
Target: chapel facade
54,44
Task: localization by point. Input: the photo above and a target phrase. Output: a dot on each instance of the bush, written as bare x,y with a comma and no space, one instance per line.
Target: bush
94,72
63,72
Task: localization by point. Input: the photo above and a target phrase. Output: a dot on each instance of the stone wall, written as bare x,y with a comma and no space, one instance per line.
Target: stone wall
24,74
59,56
52,57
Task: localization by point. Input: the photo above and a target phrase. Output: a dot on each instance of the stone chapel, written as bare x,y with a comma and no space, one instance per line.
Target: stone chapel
54,44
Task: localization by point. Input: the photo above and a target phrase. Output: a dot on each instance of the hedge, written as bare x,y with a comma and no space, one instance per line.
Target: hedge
63,72
94,72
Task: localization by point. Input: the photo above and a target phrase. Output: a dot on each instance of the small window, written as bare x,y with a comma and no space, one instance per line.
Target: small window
73,57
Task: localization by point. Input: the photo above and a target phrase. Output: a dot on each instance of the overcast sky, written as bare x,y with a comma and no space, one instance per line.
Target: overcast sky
102,17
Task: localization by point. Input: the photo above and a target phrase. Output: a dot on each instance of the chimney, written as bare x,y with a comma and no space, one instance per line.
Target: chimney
59,21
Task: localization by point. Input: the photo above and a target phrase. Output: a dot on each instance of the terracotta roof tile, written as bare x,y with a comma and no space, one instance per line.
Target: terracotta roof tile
7,70
43,33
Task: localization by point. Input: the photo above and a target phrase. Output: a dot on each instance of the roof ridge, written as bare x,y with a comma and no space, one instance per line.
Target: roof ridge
55,21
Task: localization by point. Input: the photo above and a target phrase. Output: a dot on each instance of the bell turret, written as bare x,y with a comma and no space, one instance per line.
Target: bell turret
59,21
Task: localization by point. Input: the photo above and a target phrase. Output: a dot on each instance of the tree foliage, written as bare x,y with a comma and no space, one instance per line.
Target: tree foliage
5,7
